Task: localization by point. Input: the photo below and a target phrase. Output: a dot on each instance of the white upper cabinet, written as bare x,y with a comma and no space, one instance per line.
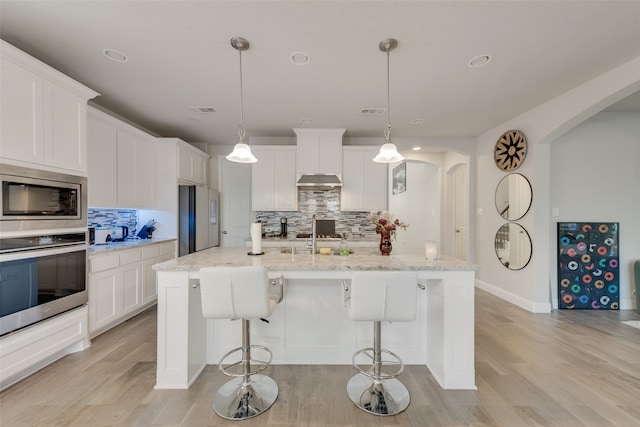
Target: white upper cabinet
364,182
273,179
103,163
192,164
319,151
43,115
121,164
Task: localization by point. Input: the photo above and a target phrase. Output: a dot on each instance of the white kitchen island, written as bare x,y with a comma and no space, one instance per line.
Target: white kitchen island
311,324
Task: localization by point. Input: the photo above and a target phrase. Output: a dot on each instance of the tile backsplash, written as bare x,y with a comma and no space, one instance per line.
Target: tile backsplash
326,205
112,217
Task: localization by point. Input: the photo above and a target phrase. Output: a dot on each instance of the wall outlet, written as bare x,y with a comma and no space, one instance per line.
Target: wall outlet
355,229
479,212
555,212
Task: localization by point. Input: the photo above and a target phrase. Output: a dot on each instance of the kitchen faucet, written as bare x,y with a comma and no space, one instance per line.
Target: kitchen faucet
314,242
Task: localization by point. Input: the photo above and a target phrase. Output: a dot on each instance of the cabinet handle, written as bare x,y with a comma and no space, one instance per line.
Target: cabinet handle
196,285
224,232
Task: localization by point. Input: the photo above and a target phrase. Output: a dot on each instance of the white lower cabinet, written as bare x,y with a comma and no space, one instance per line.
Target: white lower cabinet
122,283
153,255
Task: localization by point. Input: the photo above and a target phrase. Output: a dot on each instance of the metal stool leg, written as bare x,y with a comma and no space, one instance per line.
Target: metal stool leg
247,395
374,391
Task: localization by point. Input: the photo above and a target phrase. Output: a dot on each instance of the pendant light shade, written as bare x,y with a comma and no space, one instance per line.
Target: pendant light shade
242,154
241,151
388,152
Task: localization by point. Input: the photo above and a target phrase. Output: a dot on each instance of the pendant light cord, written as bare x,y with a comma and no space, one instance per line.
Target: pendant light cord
241,131
387,132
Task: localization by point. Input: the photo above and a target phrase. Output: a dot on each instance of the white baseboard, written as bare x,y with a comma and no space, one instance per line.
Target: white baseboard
534,307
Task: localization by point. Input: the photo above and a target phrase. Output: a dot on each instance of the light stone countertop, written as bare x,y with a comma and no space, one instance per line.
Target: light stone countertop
127,244
274,260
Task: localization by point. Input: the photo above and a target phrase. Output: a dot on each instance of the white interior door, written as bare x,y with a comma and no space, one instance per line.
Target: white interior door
235,203
461,212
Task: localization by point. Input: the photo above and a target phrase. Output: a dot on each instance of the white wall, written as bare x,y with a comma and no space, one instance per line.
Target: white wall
419,206
595,170
531,287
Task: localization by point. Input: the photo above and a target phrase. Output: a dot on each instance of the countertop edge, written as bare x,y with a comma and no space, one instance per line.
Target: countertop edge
127,244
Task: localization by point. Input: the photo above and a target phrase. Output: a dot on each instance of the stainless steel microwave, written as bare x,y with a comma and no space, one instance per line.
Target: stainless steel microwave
33,199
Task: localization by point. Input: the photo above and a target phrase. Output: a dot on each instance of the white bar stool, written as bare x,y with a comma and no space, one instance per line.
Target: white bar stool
241,293
380,296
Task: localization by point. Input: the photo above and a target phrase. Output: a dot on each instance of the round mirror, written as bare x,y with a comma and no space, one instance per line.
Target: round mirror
513,196
513,246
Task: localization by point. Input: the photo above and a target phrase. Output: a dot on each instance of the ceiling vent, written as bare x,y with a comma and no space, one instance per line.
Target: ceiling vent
201,110
372,111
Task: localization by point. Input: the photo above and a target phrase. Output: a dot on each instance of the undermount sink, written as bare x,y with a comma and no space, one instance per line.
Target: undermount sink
298,251
303,251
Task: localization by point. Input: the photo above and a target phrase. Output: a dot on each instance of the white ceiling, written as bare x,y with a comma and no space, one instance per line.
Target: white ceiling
180,56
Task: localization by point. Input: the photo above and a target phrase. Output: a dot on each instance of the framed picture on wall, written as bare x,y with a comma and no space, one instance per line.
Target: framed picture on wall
588,259
400,178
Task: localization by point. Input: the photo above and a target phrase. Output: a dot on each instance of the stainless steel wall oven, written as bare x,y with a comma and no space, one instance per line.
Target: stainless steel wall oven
43,245
41,276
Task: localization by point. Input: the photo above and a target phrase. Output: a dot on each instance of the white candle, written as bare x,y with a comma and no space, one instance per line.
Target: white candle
430,250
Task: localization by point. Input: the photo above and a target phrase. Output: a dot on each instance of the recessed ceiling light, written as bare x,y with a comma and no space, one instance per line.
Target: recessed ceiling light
115,55
417,121
416,148
307,121
299,58
479,61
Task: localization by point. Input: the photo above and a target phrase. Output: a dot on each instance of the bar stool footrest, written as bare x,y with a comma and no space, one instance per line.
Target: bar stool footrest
370,372
260,366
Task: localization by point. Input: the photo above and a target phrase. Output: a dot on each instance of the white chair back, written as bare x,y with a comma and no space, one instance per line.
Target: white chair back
383,296
235,292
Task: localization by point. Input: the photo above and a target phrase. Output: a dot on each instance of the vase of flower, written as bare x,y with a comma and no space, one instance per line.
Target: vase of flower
386,225
385,243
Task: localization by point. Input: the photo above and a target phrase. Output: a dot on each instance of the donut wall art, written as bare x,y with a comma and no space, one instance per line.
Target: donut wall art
588,260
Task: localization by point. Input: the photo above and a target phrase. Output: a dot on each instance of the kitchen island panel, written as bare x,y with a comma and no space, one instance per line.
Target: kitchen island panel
311,324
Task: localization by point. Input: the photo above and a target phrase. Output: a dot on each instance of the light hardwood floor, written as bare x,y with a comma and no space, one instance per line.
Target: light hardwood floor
568,368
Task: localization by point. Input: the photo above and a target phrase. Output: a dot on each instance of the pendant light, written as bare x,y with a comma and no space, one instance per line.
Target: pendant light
388,152
241,151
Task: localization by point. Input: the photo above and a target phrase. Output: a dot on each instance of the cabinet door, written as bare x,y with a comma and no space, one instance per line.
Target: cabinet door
330,154
126,169
184,164
285,190
145,168
262,180
192,166
364,181
65,129
319,153
199,165
375,182
103,170
131,287
21,95
149,287
149,283
307,158
104,291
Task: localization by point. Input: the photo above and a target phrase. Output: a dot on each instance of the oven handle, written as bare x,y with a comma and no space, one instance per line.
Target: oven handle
38,253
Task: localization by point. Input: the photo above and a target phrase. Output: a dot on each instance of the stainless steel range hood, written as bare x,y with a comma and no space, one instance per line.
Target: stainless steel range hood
319,182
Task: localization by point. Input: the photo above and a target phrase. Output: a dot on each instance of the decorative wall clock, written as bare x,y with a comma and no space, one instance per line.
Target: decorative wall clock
510,150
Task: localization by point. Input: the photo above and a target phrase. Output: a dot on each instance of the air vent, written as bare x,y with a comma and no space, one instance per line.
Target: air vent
201,110
372,111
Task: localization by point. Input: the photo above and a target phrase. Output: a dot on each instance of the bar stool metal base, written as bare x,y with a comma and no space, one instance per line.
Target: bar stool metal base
388,397
237,400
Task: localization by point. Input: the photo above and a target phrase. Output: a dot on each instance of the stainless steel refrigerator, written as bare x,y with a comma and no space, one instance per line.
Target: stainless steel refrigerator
198,219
